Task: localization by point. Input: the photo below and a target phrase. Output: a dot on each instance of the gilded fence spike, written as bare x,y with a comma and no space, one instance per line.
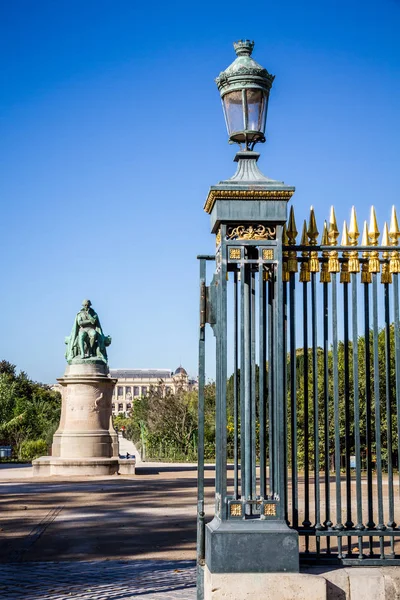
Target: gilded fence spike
394,264
354,263
285,254
365,274
333,234
345,236
344,273
325,274
292,265
353,228
373,237
304,268
394,231
386,276
312,233
291,227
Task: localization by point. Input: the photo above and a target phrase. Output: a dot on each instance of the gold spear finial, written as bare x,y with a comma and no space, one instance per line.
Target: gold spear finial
291,227
312,233
304,236
365,274
354,263
292,265
304,268
325,274
353,228
344,273
386,276
364,238
345,235
373,231
333,234
394,233
373,236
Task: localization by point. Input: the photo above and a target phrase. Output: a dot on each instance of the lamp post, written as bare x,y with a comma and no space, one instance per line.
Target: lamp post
249,533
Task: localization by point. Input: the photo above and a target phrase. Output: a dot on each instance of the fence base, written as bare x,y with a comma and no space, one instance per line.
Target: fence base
251,546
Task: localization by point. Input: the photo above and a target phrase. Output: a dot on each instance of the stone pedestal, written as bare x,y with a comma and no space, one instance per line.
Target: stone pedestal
85,442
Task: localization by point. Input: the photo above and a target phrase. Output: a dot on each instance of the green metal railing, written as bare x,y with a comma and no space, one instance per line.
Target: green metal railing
317,429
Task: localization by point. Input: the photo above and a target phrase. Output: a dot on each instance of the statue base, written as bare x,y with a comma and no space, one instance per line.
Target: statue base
48,465
85,442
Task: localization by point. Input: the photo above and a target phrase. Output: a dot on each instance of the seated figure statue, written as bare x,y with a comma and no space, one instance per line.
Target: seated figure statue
87,340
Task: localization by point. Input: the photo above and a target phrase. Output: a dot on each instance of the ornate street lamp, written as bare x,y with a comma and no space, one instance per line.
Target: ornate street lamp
244,87
249,533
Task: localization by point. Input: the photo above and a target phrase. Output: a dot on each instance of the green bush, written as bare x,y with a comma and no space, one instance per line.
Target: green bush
31,449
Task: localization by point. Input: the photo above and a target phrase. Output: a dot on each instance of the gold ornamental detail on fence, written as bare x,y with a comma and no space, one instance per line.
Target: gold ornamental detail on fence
251,232
373,256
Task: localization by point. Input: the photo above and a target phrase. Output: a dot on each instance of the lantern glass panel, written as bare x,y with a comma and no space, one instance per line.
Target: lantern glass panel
256,106
233,109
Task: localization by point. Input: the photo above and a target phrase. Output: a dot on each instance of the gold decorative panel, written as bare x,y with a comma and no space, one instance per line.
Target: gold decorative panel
234,253
250,232
235,510
268,254
270,510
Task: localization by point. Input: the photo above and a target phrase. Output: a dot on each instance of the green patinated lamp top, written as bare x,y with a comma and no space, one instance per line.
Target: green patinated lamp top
244,72
87,342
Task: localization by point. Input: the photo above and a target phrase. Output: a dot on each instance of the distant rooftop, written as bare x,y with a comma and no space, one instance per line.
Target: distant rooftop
141,373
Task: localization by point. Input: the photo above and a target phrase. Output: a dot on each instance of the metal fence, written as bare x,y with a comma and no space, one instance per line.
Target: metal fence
315,407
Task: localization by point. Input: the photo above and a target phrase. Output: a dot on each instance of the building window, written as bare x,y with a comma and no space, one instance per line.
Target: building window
113,406
120,390
128,406
120,407
136,391
168,389
144,390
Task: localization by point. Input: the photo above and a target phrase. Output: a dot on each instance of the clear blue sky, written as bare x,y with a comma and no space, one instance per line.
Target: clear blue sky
111,133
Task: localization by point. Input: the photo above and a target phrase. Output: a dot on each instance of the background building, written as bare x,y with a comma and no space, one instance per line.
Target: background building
133,383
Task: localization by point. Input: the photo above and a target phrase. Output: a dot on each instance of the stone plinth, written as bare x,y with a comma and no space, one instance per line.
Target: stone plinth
263,586
85,442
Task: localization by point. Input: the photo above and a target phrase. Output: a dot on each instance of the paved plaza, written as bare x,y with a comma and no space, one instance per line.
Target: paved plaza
104,537
99,580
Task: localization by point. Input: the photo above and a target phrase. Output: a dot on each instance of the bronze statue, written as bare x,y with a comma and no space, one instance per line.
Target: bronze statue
87,340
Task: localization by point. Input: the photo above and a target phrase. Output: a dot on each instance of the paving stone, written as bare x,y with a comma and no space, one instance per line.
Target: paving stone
98,580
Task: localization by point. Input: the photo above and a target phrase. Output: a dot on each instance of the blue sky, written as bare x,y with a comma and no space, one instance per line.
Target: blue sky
111,132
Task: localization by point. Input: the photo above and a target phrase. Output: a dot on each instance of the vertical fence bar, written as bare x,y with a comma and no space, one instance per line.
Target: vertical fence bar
327,523
314,310
235,388
293,400
247,383
223,372
200,435
339,525
261,391
285,400
388,390
271,416
253,380
380,526
306,522
359,526
349,522
242,391
397,360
